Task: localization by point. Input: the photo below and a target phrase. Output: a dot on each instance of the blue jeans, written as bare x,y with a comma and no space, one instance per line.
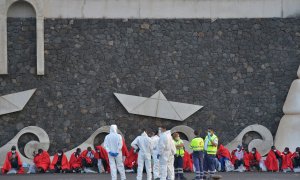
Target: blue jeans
198,163
209,163
222,161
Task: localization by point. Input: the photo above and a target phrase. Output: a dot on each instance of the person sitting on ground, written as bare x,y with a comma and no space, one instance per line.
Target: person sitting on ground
60,163
287,164
274,160
88,159
12,163
75,161
254,158
296,158
223,155
237,157
41,162
103,162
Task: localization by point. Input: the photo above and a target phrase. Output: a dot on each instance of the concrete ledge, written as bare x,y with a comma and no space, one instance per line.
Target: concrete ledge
171,8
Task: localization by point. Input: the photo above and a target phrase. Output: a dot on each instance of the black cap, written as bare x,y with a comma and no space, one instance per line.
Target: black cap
13,148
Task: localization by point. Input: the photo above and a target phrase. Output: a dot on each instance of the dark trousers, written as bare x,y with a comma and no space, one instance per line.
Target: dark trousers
222,161
209,164
237,163
178,166
198,163
94,163
296,162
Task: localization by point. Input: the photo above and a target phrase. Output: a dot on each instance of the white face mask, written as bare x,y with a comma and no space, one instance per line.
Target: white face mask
209,133
13,152
284,152
59,154
253,152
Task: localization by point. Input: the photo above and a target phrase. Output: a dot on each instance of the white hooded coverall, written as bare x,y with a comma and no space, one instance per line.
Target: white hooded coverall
113,143
167,150
143,143
156,173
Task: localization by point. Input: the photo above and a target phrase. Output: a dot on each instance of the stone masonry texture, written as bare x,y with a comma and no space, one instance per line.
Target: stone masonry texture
240,70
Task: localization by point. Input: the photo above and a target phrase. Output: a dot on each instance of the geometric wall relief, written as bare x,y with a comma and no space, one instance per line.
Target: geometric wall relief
43,142
288,132
157,106
262,145
14,102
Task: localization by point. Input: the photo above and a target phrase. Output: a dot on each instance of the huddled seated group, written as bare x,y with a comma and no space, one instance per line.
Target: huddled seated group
241,160
86,161
114,155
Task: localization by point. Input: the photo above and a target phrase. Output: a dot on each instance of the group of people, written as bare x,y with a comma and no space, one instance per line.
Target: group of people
243,160
161,154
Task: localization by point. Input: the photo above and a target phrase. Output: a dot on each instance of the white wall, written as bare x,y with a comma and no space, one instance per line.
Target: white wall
170,8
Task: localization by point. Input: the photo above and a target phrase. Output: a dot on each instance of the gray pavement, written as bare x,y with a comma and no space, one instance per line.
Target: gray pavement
225,176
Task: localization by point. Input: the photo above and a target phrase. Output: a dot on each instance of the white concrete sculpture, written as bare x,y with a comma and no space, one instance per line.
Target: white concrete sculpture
43,143
157,106
262,145
288,133
15,102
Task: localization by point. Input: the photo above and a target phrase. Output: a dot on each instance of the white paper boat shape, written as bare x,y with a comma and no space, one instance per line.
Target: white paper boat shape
157,106
15,102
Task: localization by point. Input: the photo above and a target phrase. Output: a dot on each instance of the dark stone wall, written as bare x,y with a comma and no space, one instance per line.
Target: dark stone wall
240,70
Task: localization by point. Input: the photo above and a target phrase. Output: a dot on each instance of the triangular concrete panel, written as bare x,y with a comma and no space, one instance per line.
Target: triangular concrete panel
15,102
130,102
166,111
20,99
157,106
185,110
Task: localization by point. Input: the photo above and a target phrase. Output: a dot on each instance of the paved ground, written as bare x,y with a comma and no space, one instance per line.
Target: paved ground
226,176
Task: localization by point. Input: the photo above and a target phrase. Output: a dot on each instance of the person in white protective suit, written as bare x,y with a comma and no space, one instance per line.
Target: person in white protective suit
142,145
167,150
113,144
154,140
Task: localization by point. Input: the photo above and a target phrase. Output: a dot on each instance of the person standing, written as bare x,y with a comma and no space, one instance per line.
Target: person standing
155,139
113,144
197,145
210,151
178,160
142,145
167,150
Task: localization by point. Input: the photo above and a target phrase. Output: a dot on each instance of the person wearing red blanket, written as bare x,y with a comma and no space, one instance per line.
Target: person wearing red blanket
296,158
102,156
254,159
238,156
12,163
223,154
287,164
131,160
76,161
273,160
41,161
59,163
187,162
88,158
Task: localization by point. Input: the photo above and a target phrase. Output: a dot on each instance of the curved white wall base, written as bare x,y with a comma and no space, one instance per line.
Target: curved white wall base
43,143
288,133
262,145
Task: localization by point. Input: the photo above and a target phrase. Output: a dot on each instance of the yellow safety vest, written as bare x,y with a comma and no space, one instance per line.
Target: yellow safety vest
197,144
211,149
179,151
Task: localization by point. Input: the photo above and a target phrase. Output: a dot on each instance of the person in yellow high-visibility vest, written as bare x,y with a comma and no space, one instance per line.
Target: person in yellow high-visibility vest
197,145
210,151
178,161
